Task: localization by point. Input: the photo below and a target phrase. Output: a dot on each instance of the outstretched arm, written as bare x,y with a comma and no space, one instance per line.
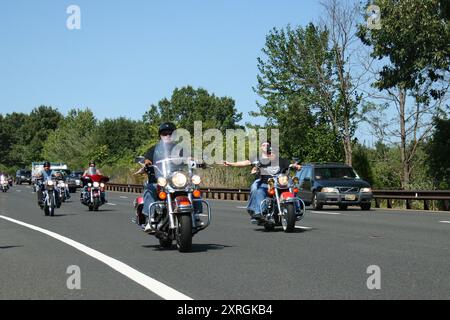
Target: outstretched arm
244,163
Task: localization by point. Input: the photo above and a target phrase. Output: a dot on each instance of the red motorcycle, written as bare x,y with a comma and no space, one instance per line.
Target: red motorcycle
93,194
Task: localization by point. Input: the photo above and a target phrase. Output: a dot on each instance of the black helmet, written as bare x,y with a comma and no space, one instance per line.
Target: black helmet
47,164
168,126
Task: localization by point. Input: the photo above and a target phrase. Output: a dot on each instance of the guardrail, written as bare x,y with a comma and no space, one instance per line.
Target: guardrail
378,195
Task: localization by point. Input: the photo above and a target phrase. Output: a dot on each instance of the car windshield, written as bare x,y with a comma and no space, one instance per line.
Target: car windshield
335,173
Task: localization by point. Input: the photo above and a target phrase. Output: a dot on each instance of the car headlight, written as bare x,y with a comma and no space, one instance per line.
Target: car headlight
283,180
179,180
162,182
330,190
196,180
96,184
366,190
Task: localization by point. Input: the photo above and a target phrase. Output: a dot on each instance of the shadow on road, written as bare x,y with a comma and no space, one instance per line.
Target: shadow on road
277,230
10,247
196,247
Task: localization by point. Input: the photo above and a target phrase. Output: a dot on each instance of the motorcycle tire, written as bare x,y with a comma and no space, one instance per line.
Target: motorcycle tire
184,233
289,218
46,211
52,206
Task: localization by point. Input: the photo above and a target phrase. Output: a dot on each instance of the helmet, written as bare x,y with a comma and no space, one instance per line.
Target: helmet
91,162
47,164
168,126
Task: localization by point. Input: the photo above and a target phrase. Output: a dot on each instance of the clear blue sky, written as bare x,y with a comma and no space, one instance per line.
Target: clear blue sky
130,54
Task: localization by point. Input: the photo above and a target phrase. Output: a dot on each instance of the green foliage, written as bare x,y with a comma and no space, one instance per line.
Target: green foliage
188,105
415,37
438,151
361,163
298,81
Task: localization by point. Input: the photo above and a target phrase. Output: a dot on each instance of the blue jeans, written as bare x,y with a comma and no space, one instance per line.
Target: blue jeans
258,192
151,197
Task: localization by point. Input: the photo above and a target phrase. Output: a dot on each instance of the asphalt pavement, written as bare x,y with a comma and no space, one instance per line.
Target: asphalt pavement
331,255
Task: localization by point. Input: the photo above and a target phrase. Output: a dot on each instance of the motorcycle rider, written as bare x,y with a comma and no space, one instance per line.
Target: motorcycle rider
91,170
60,176
4,178
42,176
259,187
159,151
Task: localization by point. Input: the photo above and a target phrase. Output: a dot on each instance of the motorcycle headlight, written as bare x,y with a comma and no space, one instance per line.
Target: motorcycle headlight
330,190
179,180
102,185
196,180
96,184
50,183
366,190
89,184
283,180
162,182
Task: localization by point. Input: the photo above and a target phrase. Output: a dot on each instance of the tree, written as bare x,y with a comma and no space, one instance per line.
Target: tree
297,83
188,105
413,44
438,151
74,139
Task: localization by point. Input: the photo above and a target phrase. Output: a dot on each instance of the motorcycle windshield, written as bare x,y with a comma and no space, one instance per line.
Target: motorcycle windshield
168,159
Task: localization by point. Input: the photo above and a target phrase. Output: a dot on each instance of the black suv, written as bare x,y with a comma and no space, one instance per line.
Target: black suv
74,180
333,184
22,176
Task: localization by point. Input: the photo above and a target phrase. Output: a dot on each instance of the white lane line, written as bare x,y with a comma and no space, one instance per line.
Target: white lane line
18,190
303,228
324,212
241,207
111,204
444,221
123,197
151,284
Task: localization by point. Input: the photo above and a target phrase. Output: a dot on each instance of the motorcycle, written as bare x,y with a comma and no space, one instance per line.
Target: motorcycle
93,194
282,206
50,197
4,184
63,190
173,216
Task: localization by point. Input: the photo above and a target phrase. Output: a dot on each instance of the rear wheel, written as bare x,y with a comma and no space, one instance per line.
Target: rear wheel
366,206
288,219
184,233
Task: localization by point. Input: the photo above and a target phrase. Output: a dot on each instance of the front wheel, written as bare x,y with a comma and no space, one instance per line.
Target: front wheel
184,233
51,207
366,206
288,219
315,204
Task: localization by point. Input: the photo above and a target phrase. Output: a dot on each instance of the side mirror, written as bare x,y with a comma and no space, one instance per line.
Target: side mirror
139,159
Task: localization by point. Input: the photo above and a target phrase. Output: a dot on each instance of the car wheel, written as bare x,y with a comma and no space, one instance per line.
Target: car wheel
343,206
315,204
366,206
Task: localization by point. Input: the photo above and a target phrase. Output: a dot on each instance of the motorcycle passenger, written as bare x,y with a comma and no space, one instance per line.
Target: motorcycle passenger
259,188
91,170
157,152
42,176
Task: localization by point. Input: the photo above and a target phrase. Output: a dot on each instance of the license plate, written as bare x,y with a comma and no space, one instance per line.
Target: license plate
350,197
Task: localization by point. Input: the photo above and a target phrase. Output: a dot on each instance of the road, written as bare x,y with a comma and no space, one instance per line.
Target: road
326,258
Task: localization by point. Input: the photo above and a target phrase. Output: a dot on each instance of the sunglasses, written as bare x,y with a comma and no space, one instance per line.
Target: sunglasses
166,133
